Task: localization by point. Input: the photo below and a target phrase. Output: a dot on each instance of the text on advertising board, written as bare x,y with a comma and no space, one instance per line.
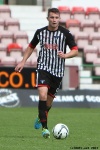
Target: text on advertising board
10,79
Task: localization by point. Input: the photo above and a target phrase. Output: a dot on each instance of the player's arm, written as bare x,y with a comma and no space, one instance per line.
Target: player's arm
27,53
72,45
73,52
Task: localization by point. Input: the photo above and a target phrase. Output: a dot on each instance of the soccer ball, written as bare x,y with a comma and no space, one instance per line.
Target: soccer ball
60,131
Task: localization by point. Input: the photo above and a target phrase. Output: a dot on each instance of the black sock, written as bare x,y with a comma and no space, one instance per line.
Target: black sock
43,113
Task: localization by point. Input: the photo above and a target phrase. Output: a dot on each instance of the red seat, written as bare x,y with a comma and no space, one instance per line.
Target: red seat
5,11
90,10
78,13
14,50
64,9
73,25
12,24
14,47
65,14
93,13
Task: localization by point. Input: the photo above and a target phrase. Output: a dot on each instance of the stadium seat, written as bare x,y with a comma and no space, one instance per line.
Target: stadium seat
65,13
6,37
82,39
73,25
3,50
93,13
78,13
91,57
2,24
97,25
5,11
94,39
13,47
91,49
14,50
21,38
64,9
8,61
27,64
34,61
12,24
88,25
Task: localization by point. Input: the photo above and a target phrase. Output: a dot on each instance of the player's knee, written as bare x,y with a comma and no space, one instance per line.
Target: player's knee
43,96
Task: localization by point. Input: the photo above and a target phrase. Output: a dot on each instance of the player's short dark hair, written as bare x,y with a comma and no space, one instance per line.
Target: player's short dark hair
54,10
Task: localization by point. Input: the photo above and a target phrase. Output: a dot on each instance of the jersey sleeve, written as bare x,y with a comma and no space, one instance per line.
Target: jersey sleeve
70,41
34,41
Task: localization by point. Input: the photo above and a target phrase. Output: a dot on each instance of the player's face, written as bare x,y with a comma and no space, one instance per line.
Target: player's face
53,19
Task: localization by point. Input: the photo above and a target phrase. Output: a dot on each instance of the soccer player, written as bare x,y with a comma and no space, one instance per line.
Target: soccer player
53,40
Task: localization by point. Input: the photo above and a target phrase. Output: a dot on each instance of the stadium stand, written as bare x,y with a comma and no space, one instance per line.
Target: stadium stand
65,14
82,39
87,38
78,13
2,24
6,37
97,25
3,51
14,50
73,25
8,61
21,37
88,26
91,49
12,24
94,38
93,13
5,11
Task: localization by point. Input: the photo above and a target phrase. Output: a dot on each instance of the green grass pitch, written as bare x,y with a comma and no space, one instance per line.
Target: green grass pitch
17,132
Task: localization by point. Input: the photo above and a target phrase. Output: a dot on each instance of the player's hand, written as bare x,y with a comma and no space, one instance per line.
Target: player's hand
19,67
61,54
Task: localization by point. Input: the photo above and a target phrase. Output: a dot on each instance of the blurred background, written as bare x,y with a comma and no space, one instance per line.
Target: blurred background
18,23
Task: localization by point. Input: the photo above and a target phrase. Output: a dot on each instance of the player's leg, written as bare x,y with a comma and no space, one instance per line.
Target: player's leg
42,100
42,107
52,91
42,110
49,102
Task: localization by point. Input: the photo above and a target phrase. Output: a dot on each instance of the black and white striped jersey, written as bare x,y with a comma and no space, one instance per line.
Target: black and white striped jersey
50,43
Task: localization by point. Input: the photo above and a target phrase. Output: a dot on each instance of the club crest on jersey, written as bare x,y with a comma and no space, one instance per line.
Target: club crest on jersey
42,81
56,37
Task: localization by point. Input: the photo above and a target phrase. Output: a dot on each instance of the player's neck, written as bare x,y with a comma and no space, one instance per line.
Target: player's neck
52,29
